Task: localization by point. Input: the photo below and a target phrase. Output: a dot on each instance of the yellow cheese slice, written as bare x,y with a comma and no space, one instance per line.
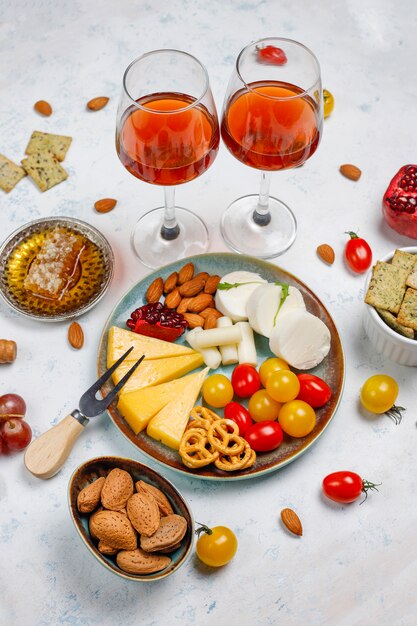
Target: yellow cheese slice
119,340
157,371
137,407
169,424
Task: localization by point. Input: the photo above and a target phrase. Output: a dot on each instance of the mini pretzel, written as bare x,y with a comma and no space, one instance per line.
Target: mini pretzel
193,449
231,463
202,417
223,440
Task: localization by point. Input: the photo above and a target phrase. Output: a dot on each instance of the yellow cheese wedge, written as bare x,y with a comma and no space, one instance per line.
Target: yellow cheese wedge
119,340
169,424
157,371
137,407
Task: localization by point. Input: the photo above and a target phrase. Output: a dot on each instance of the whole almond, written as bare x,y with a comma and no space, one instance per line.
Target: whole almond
75,335
291,521
164,505
89,498
105,205
43,107
350,171
194,320
173,299
186,273
91,522
211,284
171,282
172,529
183,305
104,548
97,103
203,275
326,253
117,489
210,311
140,562
155,290
143,512
114,529
210,322
200,302
192,287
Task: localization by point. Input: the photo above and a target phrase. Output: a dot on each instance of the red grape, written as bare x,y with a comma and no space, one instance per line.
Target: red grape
16,433
2,446
12,405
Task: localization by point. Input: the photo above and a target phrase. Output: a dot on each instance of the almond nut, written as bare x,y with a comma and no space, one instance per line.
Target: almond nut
171,282
183,305
326,253
75,335
291,521
104,548
117,490
350,171
201,302
173,299
203,275
210,322
186,273
114,529
192,287
43,107
140,562
91,523
163,503
105,205
143,512
170,549
210,311
194,320
172,529
211,284
89,498
155,289
97,103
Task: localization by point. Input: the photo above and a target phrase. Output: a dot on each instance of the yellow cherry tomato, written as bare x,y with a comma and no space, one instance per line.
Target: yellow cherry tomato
283,385
379,393
271,365
217,390
216,546
328,102
297,418
262,407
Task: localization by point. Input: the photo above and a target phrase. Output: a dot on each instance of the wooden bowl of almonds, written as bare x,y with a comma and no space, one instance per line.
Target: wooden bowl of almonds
132,519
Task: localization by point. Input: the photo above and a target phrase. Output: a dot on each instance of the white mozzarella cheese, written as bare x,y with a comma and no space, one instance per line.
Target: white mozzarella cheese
212,357
228,352
218,337
246,348
232,302
263,304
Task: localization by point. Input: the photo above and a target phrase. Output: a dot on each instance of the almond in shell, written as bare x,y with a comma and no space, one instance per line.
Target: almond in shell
140,562
164,505
89,498
117,489
291,521
76,336
114,529
155,290
172,529
143,512
186,273
104,548
97,103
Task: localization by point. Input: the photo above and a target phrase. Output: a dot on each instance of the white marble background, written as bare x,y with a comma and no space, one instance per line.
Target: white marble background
354,565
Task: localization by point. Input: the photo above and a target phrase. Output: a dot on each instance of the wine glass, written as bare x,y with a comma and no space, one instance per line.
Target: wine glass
272,120
167,134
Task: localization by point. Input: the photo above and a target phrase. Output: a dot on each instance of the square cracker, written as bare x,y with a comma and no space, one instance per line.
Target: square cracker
392,322
57,144
44,169
406,260
412,278
387,287
408,311
10,174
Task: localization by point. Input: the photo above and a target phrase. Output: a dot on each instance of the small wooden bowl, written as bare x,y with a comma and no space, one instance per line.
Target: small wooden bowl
101,466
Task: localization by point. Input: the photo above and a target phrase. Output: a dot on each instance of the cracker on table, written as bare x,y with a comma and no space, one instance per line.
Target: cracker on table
57,144
412,278
408,311
44,170
10,173
393,323
406,260
387,287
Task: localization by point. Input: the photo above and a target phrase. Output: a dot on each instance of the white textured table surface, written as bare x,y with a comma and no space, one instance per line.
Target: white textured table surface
354,565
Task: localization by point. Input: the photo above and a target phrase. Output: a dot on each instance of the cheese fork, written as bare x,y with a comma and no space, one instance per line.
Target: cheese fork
46,455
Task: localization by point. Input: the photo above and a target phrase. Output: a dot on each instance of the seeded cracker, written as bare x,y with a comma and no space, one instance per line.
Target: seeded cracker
406,260
44,170
412,278
408,310
392,322
57,144
10,174
387,287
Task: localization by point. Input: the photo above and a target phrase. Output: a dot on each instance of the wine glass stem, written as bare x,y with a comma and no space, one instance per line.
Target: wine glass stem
261,215
170,229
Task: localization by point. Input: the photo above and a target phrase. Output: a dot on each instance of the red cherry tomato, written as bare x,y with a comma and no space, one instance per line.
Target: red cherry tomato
345,487
358,254
245,380
237,412
16,433
264,436
272,55
313,390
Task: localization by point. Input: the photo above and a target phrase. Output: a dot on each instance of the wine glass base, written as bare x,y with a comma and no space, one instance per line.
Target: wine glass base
153,250
243,235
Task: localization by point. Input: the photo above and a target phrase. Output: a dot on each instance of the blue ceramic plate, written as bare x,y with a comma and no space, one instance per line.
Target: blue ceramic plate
331,369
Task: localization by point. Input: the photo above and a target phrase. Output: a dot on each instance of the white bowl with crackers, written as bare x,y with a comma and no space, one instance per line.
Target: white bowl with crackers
390,315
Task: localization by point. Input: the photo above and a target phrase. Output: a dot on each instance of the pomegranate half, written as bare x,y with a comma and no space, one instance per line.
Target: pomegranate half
399,205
